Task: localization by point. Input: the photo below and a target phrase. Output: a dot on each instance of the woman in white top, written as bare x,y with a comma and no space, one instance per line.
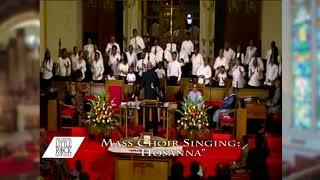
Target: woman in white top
132,57
220,61
123,67
46,70
204,73
97,68
131,80
250,53
64,66
80,64
272,72
255,74
238,75
114,59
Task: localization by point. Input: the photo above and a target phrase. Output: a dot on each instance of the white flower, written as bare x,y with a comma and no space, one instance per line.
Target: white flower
103,121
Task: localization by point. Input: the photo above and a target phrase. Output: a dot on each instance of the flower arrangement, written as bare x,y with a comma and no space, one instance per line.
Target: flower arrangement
101,116
194,119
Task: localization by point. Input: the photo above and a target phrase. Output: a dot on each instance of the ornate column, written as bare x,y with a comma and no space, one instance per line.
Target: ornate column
207,22
131,19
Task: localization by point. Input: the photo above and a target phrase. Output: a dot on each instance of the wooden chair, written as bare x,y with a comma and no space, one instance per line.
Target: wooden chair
228,119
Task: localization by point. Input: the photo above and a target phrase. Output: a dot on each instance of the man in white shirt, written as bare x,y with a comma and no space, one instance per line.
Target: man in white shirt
137,42
228,53
174,71
114,60
204,72
132,57
149,57
157,51
187,48
74,58
110,44
250,53
220,61
89,50
197,61
64,66
170,48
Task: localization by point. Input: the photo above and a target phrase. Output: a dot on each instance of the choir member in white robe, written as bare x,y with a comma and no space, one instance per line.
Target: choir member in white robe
222,77
97,68
174,70
95,49
204,72
114,60
220,61
255,74
275,52
132,57
64,66
259,62
272,72
160,71
197,61
137,42
250,53
238,54
157,51
187,48
46,70
74,58
228,53
238,75
123,67
80,64
89,50
149,57
140,67
110,44
131,80
168,53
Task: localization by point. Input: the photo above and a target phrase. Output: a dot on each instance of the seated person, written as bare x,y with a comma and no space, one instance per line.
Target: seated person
274,103
221,76
229,102
239,166
195,95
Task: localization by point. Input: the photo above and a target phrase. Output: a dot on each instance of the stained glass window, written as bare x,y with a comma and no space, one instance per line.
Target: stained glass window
302,64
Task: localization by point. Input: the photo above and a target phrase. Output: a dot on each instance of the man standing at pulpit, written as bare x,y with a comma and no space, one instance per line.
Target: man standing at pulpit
150,84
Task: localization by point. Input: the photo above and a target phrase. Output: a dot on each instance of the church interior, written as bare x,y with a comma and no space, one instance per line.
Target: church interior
168,70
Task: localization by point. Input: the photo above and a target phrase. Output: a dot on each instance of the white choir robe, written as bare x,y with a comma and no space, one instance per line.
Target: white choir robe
250,52
64,67
174,69
187,49
228,55
82,66
109,48
161,73
259,61
140,67
90,49
132,59
150,57
238,75
131,78
158,52
93,54
271,74
206,72
220,62
123,69
113,62
74,60
255,75
136,42
197,61
97,70
167,55
46,69
222,78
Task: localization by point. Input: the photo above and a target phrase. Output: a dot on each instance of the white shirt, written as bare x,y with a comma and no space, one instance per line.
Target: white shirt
255,75
113,62
158,52
186,48
74,60
109,47
132,58
140,68
64,67
131,77
170,47
222,78
93,54
161,73
206,72
47,68
238,75
150,57
97,69
90,49
135,42
111,77
197,61
259,61
239,55
271,74
250,52
228,55
123,67
82,66
174,69
220,62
